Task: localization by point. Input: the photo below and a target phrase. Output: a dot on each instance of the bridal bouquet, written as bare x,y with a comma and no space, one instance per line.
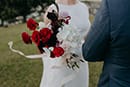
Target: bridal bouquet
57,39
46,37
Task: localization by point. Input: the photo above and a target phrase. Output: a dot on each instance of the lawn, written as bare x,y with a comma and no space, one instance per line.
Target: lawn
17,71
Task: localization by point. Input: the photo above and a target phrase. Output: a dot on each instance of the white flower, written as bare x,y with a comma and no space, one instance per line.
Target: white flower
63,34
41,25
51,48
66,45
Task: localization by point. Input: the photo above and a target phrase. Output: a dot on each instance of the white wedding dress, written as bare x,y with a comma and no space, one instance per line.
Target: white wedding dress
55,73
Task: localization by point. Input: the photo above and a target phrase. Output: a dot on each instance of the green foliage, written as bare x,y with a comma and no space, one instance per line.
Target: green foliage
6,10
12,8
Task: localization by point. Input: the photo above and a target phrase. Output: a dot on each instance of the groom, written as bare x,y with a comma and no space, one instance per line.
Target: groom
109,40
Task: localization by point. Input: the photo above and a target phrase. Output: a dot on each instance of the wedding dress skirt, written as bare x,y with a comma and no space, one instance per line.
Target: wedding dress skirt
56,74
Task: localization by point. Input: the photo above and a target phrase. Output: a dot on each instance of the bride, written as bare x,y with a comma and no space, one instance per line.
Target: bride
55,70
56,74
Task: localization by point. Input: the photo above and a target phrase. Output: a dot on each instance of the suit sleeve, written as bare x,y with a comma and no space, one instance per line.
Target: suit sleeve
96,43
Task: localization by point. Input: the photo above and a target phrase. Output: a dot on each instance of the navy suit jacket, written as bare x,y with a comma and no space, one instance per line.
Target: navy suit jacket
109,40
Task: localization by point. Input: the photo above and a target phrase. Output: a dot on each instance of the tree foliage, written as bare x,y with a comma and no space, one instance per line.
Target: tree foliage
12,8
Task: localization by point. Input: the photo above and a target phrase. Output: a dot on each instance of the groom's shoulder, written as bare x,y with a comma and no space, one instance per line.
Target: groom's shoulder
118,7
118,3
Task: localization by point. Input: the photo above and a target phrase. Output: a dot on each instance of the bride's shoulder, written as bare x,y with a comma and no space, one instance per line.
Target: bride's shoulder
83,5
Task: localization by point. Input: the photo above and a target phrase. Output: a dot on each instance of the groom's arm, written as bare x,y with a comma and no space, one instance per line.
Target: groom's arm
97,40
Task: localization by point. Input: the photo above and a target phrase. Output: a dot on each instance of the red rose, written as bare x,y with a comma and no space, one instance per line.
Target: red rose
36,37
26,38
45,34
58,51
31,24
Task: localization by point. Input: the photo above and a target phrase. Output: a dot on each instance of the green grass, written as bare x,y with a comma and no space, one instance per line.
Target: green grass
17,71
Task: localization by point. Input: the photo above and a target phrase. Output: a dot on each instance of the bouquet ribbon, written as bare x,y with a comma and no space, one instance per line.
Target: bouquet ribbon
22,54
